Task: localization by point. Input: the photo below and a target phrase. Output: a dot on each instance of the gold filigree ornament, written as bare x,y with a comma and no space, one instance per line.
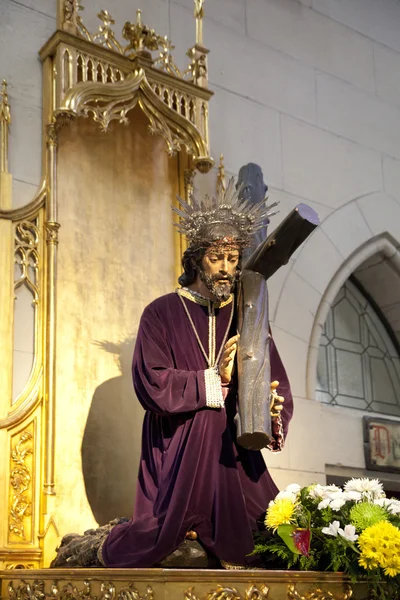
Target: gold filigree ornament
20,481
318,594
36,591
130,593
70,592
106,103
27,590
141,39
227,593
106,36
27,256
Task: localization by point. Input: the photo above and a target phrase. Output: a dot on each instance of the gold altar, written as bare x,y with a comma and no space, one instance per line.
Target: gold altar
174,584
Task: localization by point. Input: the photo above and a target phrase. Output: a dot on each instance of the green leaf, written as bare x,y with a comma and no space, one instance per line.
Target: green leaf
285,532
259,549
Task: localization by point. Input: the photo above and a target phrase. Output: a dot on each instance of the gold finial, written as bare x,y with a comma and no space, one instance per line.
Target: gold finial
67,15
199,9
189,175
5,120
142,38
221,182
199,14
5,114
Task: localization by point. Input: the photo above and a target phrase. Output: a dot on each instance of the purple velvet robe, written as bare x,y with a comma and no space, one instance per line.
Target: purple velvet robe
192,474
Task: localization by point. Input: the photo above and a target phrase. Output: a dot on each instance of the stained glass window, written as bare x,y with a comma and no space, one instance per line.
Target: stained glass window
358,362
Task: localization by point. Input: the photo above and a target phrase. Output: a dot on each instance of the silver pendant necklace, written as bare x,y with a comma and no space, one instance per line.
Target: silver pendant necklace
211,360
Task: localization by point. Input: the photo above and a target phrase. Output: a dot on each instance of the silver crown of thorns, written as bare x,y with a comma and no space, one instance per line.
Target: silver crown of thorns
230,208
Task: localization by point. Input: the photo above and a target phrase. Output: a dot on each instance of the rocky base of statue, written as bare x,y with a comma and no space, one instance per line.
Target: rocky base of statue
190,555
82,551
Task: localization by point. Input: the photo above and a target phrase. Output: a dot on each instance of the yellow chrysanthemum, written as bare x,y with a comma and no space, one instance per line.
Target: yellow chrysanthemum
391,572
379,545
367,563
280,512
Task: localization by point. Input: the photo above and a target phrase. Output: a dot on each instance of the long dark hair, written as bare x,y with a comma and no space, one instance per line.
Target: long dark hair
191,261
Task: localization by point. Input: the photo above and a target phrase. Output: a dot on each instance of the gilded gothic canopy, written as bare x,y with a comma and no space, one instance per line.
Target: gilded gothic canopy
101,77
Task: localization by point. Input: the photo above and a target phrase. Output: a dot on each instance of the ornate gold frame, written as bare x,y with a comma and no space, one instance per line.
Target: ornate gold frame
184,584
89,75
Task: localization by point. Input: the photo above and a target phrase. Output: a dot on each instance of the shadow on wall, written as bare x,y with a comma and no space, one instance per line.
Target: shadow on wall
112,440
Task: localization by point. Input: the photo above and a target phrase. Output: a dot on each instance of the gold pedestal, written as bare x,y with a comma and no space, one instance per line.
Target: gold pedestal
171,584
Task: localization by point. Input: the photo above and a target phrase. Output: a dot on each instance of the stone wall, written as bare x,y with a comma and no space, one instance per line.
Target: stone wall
310,90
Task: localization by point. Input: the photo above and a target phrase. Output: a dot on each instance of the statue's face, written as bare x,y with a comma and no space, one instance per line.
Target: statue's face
218,270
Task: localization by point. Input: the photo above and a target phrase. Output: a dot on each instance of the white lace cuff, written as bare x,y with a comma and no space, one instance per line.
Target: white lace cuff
214,397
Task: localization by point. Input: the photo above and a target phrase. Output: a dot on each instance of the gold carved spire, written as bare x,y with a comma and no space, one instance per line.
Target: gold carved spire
199,14
221,182
5,120
198,53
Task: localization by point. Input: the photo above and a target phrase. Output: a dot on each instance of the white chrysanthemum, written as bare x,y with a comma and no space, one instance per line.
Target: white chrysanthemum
394,507
369,488
324,504
313,491
337,503
294,488
286,494
391,504
332,529
335,494
291,491
353,496
383,502
348,533
320,492
335,498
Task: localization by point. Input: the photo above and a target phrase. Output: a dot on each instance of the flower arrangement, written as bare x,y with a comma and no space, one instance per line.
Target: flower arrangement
355,530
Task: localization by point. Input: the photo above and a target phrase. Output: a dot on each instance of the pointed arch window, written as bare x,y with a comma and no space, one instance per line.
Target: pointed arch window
358,361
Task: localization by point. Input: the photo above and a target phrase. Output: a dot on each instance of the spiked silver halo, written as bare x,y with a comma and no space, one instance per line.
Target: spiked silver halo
229,216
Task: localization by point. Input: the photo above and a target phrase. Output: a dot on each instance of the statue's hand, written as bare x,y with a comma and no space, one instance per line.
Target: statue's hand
228,359
275,400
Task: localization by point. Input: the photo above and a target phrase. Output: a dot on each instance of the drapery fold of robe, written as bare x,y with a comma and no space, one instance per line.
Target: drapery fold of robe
192,474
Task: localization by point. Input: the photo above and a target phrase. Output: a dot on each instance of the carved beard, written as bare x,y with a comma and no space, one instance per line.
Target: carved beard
219,291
